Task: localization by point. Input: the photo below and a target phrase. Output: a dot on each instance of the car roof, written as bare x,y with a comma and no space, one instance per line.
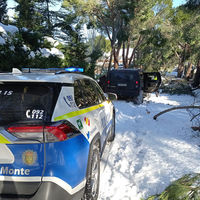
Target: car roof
41,77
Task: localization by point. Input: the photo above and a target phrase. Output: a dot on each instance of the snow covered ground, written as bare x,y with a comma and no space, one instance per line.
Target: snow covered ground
147,155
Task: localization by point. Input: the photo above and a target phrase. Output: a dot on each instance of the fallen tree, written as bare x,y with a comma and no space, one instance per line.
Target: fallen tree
175,108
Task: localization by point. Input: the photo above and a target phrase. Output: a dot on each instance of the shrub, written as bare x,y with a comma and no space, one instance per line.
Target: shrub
185,188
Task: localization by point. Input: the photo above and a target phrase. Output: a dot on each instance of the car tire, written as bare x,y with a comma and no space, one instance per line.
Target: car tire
112,134
93,174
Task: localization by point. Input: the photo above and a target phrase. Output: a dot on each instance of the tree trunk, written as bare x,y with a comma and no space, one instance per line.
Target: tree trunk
189,70
127,53
180,70
116,55
123,54
110,61
134,49
181,62
197,76
48,17
102,67
115,59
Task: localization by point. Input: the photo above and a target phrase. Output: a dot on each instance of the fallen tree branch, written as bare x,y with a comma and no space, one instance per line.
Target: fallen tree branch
195,116
174,108
195,128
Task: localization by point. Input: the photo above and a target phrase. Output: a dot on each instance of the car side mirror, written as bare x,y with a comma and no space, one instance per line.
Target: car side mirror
111,96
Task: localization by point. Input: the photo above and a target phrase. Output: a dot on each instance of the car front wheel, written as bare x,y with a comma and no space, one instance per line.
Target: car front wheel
93,175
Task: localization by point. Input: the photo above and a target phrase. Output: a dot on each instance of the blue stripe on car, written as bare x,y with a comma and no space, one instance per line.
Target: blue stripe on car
67,160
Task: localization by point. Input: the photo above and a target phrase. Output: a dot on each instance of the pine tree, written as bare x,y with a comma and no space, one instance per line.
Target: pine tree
3,5
48,14
28,16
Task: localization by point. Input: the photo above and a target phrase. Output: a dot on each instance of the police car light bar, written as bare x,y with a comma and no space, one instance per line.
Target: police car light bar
53,70
74,69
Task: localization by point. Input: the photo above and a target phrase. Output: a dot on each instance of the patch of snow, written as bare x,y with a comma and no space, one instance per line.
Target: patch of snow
45,52
52,41
2,30
57,52
8,28
25,29
25,48
12,48
32,54
2,41
5,29
124,11
173,73
147,155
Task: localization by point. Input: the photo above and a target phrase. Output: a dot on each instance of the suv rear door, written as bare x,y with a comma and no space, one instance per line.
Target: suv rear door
124,79
23,106
124,82
151,81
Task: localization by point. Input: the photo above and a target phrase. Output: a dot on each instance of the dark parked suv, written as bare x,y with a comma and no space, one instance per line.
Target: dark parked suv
131,84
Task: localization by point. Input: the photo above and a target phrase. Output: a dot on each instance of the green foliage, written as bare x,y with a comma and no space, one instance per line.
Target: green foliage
95,55
160,36
185,34
156,51
16,52
13,54
102,43
185,188
76,50
176,86
193,4
43,62
3,5
28,16
33,40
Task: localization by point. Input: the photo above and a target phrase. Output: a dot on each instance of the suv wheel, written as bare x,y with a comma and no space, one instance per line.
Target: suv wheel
112,134
93,175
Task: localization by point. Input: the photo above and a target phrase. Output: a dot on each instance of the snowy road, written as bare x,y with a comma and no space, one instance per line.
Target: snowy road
147,155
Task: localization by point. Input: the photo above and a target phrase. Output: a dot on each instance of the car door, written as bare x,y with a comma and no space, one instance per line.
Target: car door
106,113
151,81
95,120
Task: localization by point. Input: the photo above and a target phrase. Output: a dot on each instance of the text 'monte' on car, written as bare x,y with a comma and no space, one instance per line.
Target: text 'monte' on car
53,129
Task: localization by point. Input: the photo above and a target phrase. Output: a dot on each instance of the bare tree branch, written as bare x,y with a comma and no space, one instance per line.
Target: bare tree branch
175,108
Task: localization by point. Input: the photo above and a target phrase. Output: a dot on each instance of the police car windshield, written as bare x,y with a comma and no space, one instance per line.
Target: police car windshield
25,102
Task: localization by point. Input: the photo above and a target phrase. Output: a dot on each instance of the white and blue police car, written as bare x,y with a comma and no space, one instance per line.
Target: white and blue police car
53,129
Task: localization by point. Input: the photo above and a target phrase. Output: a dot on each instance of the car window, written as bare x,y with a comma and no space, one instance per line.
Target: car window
99,91
90,95
78,95
26,102
87,93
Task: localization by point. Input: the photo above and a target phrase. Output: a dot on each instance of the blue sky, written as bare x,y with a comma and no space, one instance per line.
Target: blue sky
178,2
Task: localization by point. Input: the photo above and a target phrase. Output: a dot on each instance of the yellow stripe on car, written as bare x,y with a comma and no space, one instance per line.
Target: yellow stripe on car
79,112
3,140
